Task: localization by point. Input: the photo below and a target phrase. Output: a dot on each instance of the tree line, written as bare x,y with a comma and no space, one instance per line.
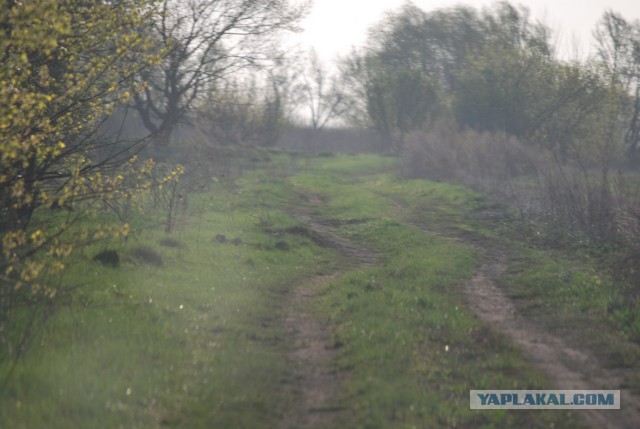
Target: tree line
496,69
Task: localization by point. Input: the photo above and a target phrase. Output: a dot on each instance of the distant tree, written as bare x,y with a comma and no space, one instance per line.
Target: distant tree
500,90
440,44
354,72
508,26
205,42
399,102
542,101
414,61
619,53
319,93
435,44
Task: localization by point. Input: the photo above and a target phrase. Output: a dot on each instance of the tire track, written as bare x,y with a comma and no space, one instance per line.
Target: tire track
569,368
317,379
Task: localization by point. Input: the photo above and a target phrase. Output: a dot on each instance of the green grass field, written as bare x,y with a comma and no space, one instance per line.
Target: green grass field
193,343
200,342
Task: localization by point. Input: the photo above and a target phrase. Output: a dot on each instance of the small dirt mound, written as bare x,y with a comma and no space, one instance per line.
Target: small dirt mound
302,231
170,242
222,239
147,256
109,258
282,245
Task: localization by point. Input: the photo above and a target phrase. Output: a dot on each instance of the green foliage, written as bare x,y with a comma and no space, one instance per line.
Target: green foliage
493,71
498,90
63,69
567,108
619,54
399,101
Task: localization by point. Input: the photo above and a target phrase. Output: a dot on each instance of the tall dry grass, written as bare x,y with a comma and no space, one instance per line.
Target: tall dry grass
571,200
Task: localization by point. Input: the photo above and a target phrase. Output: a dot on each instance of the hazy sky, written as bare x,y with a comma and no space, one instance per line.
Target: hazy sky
334,26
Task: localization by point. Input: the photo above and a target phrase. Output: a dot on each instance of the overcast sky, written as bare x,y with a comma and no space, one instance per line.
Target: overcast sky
334,26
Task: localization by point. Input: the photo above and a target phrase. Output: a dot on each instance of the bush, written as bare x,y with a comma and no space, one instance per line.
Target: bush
470,157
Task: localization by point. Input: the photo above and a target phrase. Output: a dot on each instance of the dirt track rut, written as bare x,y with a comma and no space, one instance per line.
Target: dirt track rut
569,368
313,355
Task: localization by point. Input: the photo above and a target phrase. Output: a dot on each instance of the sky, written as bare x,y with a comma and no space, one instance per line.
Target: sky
333,27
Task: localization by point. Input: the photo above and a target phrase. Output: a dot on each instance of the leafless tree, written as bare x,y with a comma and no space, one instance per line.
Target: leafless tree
204,42
320,93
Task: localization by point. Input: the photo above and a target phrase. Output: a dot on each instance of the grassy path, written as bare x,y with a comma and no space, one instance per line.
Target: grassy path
317,382
552,336
569,366
317,294
408,347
